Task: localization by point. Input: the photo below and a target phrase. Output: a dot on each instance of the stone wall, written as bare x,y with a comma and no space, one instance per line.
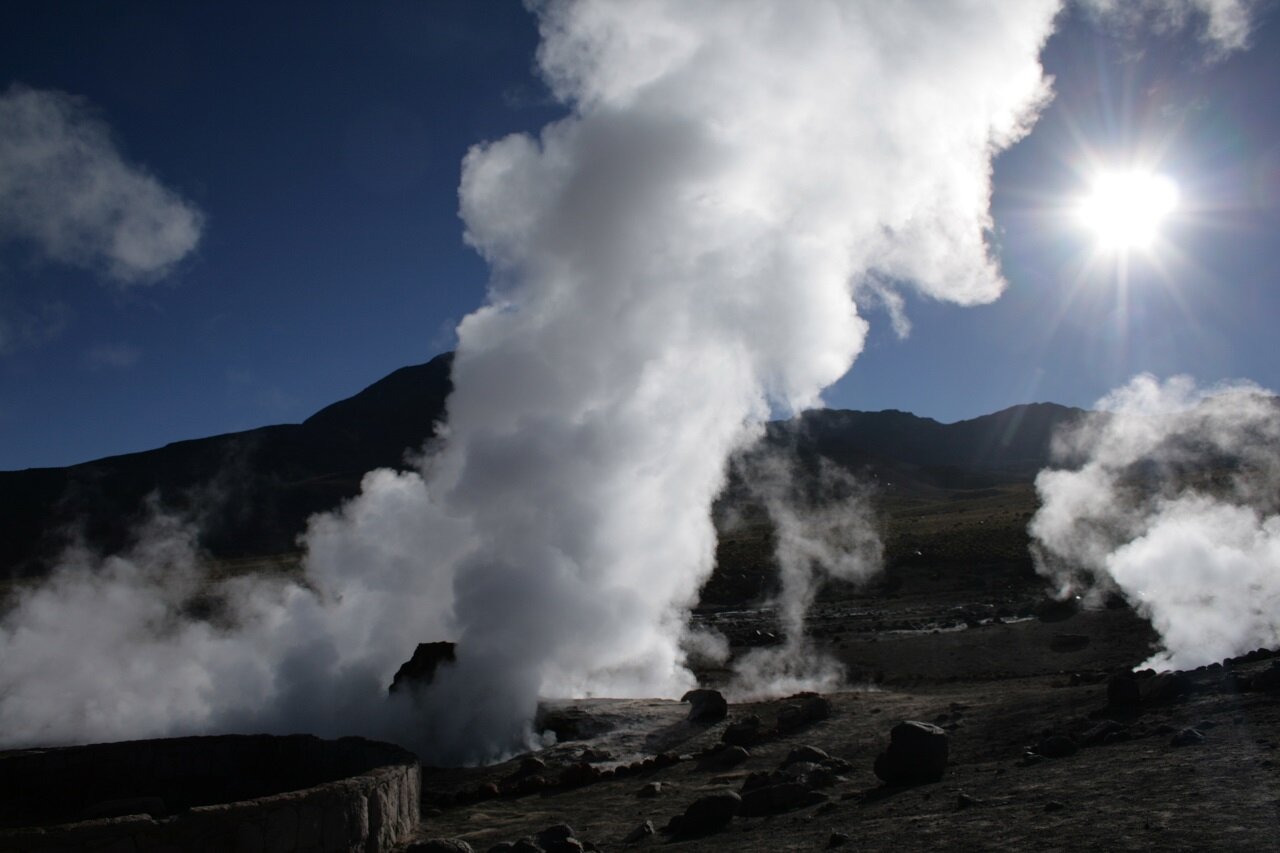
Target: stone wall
228,793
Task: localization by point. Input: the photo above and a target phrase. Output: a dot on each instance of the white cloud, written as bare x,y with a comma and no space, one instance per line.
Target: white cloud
1224,25
66,189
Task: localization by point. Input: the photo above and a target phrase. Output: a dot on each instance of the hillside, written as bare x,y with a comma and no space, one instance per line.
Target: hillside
252,491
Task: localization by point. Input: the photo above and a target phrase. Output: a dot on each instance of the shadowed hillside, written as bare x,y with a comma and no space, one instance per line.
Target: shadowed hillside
252,491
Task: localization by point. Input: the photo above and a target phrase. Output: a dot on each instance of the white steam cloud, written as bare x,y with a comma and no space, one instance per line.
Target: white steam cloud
824,527
675,259
65,188
1171,499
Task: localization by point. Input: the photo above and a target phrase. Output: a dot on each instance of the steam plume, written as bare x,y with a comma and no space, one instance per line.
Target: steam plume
1171,499
824,526
675,260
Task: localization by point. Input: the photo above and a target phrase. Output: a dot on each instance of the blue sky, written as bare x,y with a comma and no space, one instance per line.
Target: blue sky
320,144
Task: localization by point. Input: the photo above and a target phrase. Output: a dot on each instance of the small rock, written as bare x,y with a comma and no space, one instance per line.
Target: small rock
1107,731
781,797
440,845
1187,737
709,814
806,753
838,839
553,834
650,790
640,833
501,847
964,801
708,706
1056,746
1054,806
526,845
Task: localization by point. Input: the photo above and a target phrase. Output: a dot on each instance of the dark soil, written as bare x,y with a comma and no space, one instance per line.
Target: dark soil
960,648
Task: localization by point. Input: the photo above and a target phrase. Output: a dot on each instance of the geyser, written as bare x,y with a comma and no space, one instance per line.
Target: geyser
1171,496
677,258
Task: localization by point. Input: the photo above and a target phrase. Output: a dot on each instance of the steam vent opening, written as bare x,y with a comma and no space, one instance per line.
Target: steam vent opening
231,792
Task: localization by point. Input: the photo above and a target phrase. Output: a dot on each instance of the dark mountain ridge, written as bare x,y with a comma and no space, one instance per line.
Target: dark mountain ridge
251,492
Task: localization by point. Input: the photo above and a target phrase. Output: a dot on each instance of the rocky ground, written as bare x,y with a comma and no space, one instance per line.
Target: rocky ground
1052,745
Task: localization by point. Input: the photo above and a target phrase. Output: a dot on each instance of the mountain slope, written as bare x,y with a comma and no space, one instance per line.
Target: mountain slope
251,492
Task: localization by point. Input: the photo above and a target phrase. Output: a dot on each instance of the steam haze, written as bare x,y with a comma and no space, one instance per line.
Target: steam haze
1170,498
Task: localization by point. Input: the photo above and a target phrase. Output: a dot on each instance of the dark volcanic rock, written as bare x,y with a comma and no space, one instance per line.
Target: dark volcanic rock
708,706
708,814
1268,679
1187,737
420,670
1123,692
917,754
780,797
439,845
744,732
725,758
1056,746
806,753
1164,687
640,833
796,715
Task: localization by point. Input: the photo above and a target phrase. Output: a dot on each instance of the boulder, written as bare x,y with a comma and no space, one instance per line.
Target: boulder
420,670
1164,687
745,732
724,758
708,814
1268,679
810,709
650,790
708,706
917,754
640,833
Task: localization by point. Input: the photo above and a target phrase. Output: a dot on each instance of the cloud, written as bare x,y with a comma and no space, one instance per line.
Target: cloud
66,189
1170,496
1224,25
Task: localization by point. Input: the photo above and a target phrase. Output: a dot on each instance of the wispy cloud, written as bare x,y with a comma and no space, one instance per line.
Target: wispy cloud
66,189
1224,25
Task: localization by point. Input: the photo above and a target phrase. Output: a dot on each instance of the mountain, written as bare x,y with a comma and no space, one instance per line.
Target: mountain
252,491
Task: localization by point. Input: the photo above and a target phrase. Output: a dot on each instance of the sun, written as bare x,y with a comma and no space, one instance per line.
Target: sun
1125,209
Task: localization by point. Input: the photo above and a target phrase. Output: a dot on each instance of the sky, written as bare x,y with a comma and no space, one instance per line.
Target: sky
274,217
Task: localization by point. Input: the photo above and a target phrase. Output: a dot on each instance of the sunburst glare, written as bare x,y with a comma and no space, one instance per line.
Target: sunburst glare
1124,210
